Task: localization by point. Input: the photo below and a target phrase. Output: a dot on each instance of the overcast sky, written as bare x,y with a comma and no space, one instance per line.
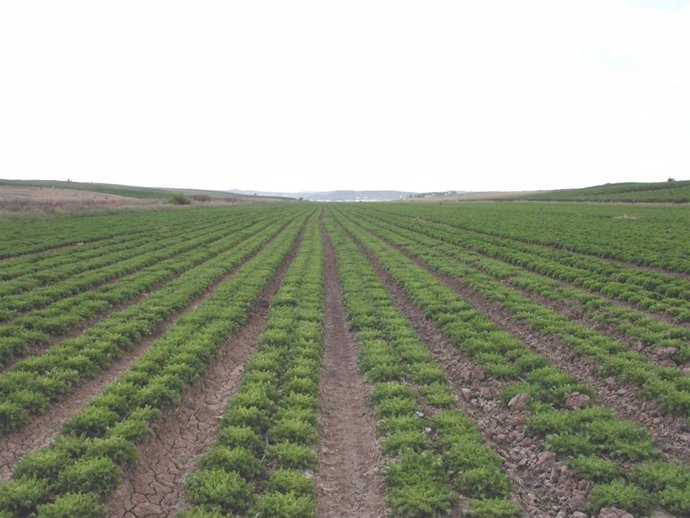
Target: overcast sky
321,95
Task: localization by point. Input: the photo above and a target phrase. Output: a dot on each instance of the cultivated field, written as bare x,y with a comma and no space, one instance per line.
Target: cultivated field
347,360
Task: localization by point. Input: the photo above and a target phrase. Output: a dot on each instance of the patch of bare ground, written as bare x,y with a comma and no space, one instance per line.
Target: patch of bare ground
41,431
671,433
155,487
349,481
39,199
543,485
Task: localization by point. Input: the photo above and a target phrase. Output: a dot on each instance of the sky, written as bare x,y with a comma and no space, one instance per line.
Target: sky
322,95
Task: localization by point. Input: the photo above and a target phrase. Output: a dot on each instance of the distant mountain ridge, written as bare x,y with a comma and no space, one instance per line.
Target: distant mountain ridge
342,195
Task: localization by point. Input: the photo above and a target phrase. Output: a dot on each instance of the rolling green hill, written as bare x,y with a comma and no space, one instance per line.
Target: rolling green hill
670,192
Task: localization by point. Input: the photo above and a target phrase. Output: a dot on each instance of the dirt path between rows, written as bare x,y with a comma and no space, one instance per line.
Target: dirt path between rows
545,487
40,431
672,434
349,481
155,488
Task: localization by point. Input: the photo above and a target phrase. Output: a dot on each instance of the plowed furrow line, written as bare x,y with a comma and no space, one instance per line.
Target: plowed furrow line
669,432
349,482
40,432
543,485
156,486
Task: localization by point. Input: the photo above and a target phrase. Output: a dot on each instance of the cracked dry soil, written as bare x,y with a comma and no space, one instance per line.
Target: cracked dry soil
155,487
349,482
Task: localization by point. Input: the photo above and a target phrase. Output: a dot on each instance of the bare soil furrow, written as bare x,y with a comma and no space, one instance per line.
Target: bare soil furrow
155,488
39,432
349,481
671,434
545,487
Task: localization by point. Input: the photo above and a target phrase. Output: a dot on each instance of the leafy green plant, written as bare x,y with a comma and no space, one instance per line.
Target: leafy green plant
239,460
99,476
289,481
285,505
620,494
595,468
180,199
19,497
289,455
493,508
73,505
219,490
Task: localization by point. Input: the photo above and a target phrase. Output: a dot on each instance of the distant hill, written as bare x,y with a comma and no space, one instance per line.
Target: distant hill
123,190
334,195
669,192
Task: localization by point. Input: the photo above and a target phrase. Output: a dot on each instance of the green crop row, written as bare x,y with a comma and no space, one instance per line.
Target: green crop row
644,289
36,328
649,331
90,259
668,385
140,224
264,446
431,458
152,252
16,244
31,384
653,236
38,268
83,466
616,454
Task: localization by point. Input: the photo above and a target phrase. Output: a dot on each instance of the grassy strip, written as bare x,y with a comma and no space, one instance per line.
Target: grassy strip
649,331
32,384
257,465
432,459
615,454
82,467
